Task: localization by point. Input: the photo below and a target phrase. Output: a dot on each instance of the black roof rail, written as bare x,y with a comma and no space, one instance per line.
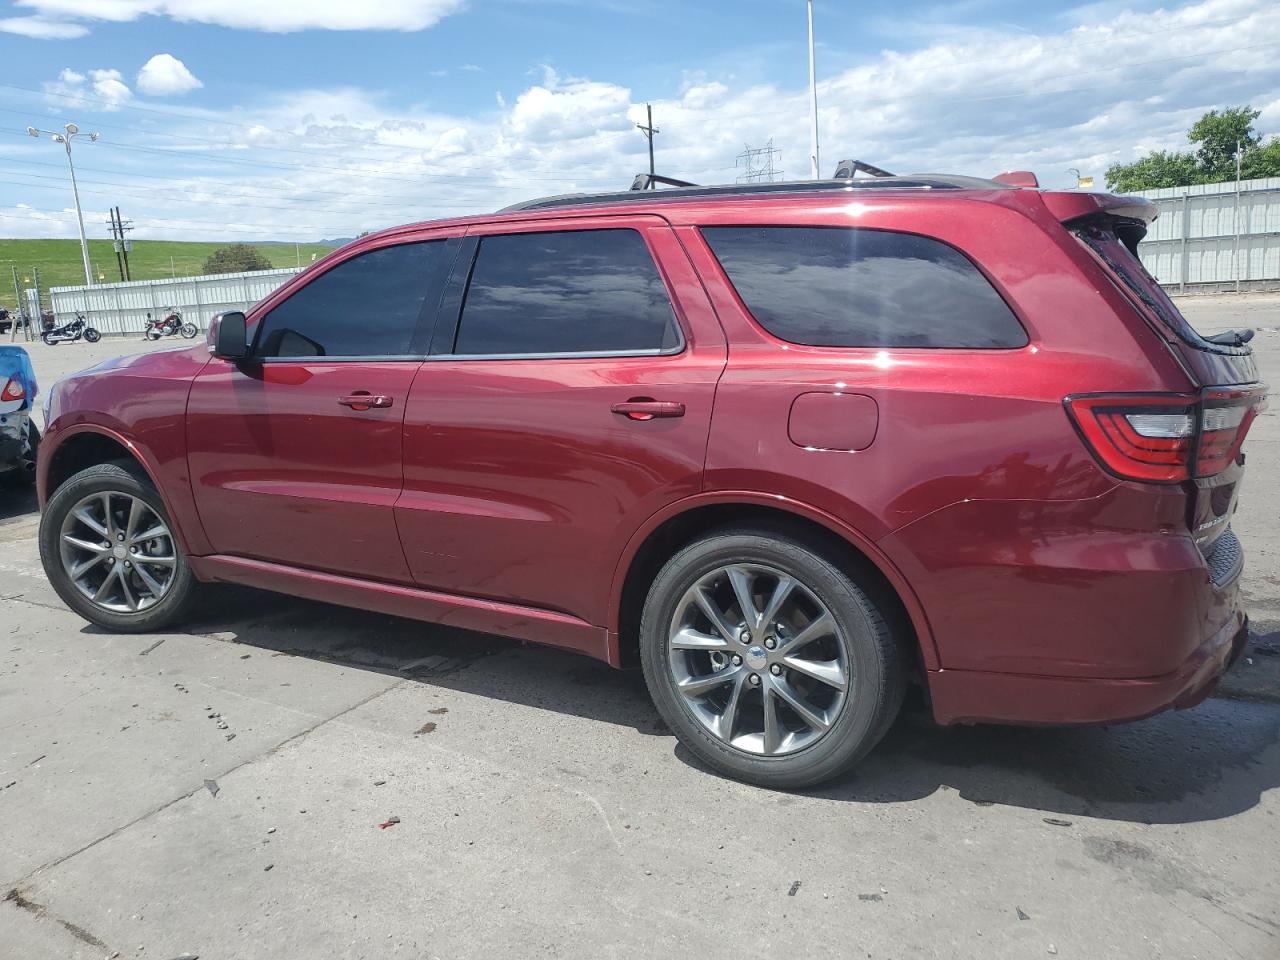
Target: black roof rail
647,181
847,169
926,181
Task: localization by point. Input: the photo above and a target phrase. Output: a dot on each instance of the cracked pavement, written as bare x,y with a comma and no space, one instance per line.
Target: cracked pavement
544,810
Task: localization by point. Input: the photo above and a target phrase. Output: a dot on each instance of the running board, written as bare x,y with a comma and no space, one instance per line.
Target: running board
467,613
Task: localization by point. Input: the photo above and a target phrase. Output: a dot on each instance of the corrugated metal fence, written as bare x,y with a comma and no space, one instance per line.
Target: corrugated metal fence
122,308
1193,246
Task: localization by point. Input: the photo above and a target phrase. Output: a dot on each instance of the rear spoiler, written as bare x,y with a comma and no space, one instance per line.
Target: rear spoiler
1068,207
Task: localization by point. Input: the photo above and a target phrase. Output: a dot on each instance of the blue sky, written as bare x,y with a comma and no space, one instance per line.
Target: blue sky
297,119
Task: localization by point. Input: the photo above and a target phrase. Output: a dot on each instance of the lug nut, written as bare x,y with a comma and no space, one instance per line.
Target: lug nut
744,635
119,536
737,660
770,642
754,680
776,670
127,564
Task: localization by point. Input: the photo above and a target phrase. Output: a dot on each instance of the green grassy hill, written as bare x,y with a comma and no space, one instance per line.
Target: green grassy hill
60,265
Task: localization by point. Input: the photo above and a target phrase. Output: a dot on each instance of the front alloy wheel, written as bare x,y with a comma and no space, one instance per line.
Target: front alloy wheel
111,551
118,552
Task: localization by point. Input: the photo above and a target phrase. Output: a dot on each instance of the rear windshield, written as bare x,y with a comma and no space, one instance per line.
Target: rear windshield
851,287
1115,242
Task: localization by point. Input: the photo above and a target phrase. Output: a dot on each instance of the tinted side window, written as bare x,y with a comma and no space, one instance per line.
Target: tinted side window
587,291
845,287
367,306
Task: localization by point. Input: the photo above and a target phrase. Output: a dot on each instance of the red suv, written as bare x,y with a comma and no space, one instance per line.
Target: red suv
788,448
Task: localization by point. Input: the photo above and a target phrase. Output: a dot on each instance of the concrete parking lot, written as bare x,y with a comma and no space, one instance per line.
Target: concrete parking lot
219,793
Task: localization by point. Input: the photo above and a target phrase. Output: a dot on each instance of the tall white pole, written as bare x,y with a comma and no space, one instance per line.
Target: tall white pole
813,100
84,241
1235,217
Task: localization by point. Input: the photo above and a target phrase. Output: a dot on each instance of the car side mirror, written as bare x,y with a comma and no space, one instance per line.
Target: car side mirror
228,336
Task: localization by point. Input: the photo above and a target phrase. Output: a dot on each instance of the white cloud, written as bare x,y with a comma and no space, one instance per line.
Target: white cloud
38,28
340,160
280,16
109,87
165,75
105,89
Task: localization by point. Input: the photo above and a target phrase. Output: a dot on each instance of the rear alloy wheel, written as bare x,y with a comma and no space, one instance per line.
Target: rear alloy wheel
110,552
767,661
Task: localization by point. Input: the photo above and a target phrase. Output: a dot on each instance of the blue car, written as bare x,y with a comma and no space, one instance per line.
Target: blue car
19,438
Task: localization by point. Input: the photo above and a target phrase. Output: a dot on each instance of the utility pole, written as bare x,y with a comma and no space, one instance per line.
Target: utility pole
650,131
119,242
71,130
125,244
115,242
813,101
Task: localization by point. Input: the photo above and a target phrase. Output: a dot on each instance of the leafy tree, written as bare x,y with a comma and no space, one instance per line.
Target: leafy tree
236,258
1262,160
1215,137
1159,169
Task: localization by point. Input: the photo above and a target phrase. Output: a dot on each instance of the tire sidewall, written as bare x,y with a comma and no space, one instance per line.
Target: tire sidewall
861,722
113,478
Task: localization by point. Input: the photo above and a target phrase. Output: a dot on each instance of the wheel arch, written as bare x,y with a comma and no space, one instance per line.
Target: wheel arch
681,523
71,450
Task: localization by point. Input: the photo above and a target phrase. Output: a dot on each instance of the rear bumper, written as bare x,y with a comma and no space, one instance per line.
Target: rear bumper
12,431
967,696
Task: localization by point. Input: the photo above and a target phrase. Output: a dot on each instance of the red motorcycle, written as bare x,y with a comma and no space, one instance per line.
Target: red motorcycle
170,325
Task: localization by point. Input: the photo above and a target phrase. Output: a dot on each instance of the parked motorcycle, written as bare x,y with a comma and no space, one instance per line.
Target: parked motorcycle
70,332
170,325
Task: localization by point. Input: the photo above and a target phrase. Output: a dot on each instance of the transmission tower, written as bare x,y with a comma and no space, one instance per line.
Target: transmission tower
759,164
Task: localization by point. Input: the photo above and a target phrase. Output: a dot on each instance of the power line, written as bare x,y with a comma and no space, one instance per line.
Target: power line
137,190
207,182
63,216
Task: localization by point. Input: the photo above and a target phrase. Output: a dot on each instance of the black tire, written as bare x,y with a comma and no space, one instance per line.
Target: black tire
122,477
92,335
188,330
152,334
48,342
875,691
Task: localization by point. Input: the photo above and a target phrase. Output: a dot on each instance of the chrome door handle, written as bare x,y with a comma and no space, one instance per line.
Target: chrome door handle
363,400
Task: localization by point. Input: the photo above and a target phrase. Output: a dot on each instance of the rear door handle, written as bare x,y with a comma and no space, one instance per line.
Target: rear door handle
363,400
648,409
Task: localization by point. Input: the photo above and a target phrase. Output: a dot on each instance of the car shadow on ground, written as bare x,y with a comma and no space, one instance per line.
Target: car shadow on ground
16,500
1201,764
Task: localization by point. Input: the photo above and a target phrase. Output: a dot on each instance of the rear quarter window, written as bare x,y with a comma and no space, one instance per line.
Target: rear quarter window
853,287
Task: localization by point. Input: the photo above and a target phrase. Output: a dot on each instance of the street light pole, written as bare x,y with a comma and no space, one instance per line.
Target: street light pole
65,138
813,101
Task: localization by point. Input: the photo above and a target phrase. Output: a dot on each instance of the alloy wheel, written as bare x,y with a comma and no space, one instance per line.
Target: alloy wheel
118,552
759,659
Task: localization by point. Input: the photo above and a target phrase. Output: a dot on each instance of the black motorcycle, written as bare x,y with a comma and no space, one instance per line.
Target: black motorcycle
170,325
70,332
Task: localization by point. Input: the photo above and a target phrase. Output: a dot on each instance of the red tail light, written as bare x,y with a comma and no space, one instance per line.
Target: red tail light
13,390
1167,437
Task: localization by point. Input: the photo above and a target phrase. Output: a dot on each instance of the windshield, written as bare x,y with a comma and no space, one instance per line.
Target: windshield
1115,242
